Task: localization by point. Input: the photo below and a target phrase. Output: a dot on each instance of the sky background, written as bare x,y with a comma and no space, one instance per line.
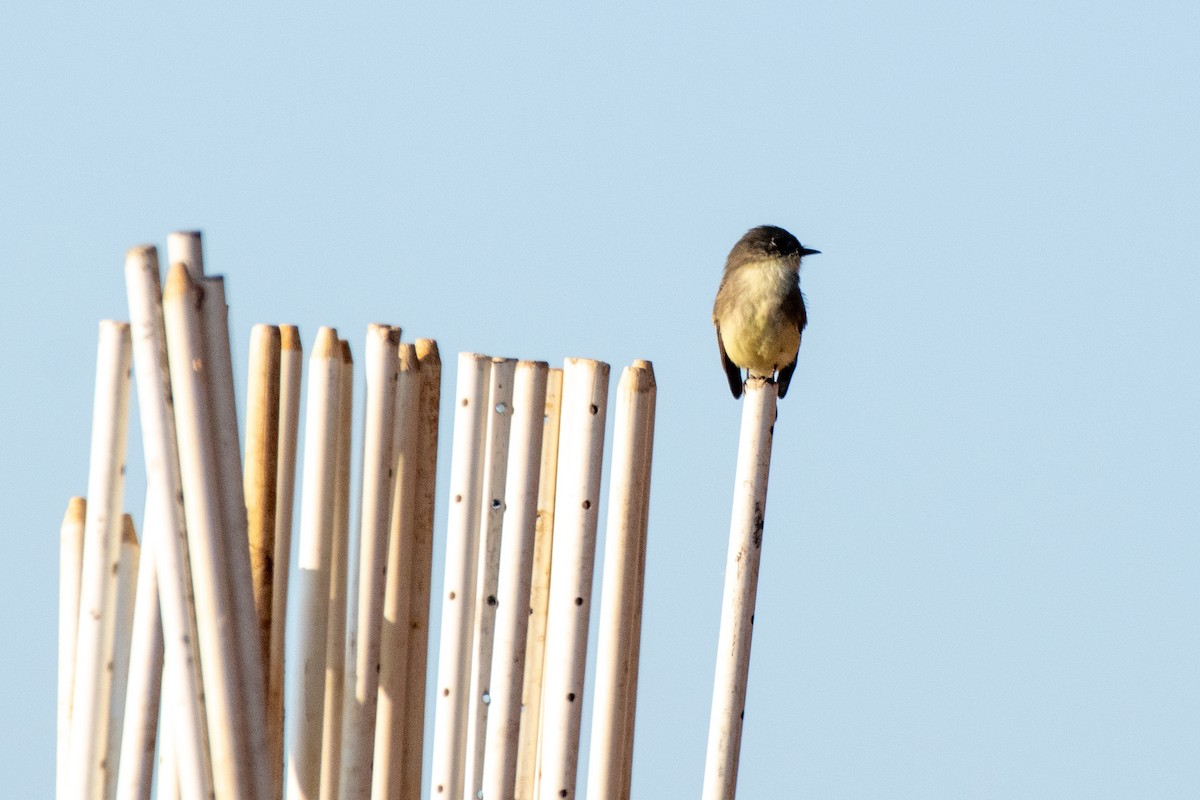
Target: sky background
980,567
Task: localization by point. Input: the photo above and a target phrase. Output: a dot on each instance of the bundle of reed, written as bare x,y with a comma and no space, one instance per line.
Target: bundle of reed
172,669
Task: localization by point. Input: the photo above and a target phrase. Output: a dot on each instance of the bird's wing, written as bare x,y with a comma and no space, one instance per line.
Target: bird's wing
793,308
732,371
785,378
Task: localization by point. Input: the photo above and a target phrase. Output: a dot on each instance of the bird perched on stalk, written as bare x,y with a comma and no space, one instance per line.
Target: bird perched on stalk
759,311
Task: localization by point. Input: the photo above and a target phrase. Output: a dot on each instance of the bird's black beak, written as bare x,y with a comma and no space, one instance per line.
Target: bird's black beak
804,251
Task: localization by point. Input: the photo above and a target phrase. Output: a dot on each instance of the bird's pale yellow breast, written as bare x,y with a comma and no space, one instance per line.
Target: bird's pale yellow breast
754,330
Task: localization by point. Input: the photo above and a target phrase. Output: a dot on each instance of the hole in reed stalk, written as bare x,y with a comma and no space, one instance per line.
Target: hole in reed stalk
571,697
587,504
595,409
501,408
578,601
465,401
487,698
562,792
445,693
452,595
458,498
491,601
496,503
441,789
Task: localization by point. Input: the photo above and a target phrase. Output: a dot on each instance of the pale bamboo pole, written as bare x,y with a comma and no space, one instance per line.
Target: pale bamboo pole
228,718
70,562
516,564
339,549
261,479
581,450
394,635
412,748
539,594
166,783
369,570
306,699
291,365
183,682
458,601
741,587
637,589
96,628
127,579
240,589
620,632
144,687
184,247
487,570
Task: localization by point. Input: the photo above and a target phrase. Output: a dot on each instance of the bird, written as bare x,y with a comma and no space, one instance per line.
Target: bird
759,311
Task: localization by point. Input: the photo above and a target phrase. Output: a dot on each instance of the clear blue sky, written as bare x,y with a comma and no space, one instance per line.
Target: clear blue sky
980,575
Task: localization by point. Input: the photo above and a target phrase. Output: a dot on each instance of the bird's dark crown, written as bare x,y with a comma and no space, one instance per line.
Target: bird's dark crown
768,241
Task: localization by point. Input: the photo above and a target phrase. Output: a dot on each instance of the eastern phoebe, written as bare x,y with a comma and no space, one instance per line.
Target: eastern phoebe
759,311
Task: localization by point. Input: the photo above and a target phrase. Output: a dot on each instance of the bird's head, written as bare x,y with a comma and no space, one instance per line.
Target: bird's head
769,242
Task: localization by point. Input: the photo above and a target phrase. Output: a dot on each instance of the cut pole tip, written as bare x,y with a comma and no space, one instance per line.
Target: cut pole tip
408,356
76,511
270,331
289,337
184,247
758,381
128,532
178,282
427,349
644,371
585,361
326,346
142,251
389,333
